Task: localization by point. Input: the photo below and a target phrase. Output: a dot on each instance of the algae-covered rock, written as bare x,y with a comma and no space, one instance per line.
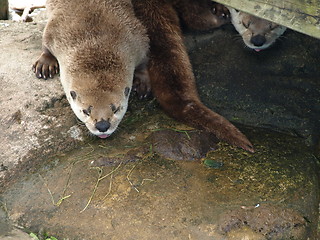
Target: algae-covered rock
182,145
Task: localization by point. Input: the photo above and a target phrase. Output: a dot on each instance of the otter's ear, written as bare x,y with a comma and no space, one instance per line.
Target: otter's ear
73,94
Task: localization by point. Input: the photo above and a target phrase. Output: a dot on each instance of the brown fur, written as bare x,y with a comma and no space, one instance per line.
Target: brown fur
172,79
96,45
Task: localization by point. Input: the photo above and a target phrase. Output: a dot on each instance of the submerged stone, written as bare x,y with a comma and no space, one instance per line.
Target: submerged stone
182,145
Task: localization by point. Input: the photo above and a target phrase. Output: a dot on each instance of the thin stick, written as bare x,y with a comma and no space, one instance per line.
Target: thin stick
146,179
97,183
110,186
51,195
94,190
128,178
110,172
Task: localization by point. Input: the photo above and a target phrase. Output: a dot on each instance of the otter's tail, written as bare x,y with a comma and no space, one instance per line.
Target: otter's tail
172,79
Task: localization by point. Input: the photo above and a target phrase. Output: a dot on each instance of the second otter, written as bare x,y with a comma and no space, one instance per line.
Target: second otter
257,33
170,70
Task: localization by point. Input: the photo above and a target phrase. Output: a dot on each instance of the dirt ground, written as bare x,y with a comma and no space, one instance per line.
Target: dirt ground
56,179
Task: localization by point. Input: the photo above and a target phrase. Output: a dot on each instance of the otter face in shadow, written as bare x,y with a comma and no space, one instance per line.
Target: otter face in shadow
257,33
100,110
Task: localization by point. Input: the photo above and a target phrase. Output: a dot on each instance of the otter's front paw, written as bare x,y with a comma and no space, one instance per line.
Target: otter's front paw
141,84
46,66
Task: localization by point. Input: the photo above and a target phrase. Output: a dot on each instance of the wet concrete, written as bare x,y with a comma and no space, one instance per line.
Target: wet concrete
36,120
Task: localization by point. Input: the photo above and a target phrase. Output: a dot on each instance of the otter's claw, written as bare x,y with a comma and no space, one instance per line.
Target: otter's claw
141,84
46,66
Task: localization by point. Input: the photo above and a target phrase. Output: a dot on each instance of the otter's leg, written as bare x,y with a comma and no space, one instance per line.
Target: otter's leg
46,65
141,82
202,15
171,76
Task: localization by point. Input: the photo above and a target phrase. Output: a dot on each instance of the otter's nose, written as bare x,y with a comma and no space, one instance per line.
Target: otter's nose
258,40
102,125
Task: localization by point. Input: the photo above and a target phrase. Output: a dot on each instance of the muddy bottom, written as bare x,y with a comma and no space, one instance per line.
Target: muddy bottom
98,192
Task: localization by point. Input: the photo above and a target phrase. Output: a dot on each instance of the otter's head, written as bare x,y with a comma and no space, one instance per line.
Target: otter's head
257,33
97,84
100,109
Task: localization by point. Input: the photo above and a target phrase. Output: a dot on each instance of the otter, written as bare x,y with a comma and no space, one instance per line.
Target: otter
171,76
96,46
257,33
97,52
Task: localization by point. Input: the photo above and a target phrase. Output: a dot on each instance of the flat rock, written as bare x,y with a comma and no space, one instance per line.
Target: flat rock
182,145
36,120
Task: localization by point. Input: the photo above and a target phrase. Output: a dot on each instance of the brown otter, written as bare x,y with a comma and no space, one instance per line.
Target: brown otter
96,45
172,79
257,33
97,54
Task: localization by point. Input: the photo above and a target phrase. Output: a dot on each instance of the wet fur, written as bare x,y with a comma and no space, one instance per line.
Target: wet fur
96,52
172,79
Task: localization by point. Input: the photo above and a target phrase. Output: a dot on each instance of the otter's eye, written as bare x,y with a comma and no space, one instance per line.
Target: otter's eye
246,25
114,108
117,110
73,94
87,111
126,91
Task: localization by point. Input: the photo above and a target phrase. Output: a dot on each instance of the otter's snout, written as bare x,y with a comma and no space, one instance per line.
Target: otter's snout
102,125
258,40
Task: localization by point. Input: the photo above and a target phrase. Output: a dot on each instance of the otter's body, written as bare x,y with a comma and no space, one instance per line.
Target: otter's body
171,76
101,43
97,44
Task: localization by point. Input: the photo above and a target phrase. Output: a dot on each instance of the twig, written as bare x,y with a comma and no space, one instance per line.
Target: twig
97,183
146,179
110,172
94,190
51,195
128,178
110,186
